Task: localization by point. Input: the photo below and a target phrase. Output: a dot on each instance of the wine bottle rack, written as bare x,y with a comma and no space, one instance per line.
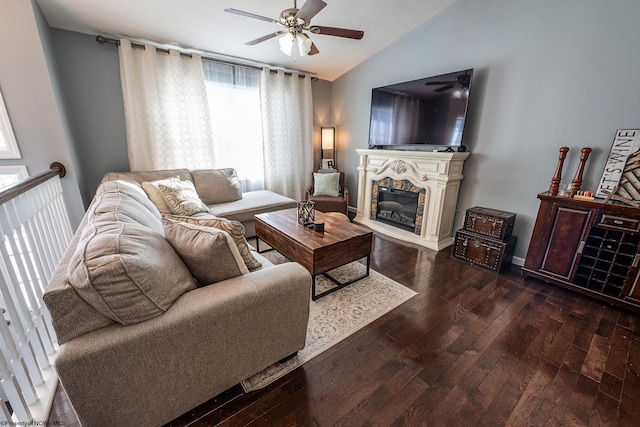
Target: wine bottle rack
607,257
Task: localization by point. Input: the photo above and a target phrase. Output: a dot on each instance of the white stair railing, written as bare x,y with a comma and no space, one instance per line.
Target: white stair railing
35,231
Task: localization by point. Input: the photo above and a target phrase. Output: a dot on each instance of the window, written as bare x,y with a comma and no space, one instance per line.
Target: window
11,174
236,121
8,145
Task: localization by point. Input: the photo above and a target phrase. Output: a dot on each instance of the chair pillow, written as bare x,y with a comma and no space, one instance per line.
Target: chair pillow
326,184
210,253
235,230
217,185
182,198
155,195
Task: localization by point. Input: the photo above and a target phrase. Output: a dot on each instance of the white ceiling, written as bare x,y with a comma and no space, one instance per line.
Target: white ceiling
203,25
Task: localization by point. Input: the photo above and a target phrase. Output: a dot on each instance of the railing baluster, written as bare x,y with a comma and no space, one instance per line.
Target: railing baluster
16,362
34,233
22,296
32,288
13,391
5,416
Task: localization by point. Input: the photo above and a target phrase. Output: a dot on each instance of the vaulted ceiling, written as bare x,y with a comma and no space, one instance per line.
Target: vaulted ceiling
204,25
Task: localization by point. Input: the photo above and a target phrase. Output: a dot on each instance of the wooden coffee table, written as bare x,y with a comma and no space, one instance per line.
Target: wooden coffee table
341,242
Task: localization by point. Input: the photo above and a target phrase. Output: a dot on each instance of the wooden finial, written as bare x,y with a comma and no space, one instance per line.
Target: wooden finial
555,181
577,180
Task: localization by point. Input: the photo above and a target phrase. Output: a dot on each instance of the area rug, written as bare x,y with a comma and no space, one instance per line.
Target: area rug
336,316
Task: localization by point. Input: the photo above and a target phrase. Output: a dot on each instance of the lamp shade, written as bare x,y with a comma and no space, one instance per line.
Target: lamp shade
328,137
286,43
295,44
304,44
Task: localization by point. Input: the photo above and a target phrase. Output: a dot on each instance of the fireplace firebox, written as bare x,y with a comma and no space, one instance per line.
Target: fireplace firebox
397,207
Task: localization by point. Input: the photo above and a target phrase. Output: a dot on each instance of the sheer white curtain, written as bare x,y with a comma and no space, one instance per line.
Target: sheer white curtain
180,113
166,109
287,123
234,103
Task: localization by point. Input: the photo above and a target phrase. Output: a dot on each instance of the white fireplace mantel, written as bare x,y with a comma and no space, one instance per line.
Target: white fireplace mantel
439,173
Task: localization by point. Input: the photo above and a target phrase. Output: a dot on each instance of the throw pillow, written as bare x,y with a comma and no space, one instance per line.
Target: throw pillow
155,195
217,185
182,198
210,253
235,230
326,184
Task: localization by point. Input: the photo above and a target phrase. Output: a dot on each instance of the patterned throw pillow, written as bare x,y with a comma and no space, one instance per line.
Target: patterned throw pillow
234,228
182,198
210,253
155,195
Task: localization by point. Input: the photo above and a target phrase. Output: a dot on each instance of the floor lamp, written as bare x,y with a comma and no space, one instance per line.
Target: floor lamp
328,142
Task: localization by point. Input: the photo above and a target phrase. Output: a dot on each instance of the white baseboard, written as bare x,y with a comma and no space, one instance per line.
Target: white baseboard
517,261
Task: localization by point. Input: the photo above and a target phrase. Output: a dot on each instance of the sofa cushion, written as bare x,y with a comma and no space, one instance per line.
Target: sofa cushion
124,269
148,176
131,189
71,315
152,189
217,185
252,203
182,198
210,253
235,230
118,200
326,184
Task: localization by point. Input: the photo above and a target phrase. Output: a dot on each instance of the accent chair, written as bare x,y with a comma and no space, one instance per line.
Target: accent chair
328,192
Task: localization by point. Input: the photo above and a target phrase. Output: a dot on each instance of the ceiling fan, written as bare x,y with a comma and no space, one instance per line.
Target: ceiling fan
461,81
295,21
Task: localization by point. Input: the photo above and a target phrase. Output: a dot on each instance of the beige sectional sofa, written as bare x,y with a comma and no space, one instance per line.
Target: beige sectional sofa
141,340
219,190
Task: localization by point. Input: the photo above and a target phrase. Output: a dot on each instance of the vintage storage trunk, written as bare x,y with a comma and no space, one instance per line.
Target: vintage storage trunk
484,251
489,222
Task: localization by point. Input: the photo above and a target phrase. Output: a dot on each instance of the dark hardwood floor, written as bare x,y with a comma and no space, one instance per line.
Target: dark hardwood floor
473,348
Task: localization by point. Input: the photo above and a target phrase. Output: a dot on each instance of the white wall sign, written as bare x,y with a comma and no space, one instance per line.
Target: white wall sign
626,141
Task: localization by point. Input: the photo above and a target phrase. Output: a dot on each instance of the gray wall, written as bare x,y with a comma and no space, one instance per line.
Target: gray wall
547,73
30,97
89,79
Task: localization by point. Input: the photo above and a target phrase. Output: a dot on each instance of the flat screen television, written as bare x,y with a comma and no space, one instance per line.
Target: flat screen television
424,112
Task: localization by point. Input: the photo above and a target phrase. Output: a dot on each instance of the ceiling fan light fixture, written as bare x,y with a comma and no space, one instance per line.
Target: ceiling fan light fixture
304,44
295,44
461,93
286,43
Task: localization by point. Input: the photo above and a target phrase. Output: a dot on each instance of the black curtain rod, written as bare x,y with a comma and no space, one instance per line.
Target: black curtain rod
116,42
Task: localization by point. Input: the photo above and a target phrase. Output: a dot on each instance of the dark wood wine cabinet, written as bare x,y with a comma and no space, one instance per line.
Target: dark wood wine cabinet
590,247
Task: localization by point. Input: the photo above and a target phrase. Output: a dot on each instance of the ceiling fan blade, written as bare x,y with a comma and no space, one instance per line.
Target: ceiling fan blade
252,15
310,9
338,32
265,38
439,83
442,89
314,50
